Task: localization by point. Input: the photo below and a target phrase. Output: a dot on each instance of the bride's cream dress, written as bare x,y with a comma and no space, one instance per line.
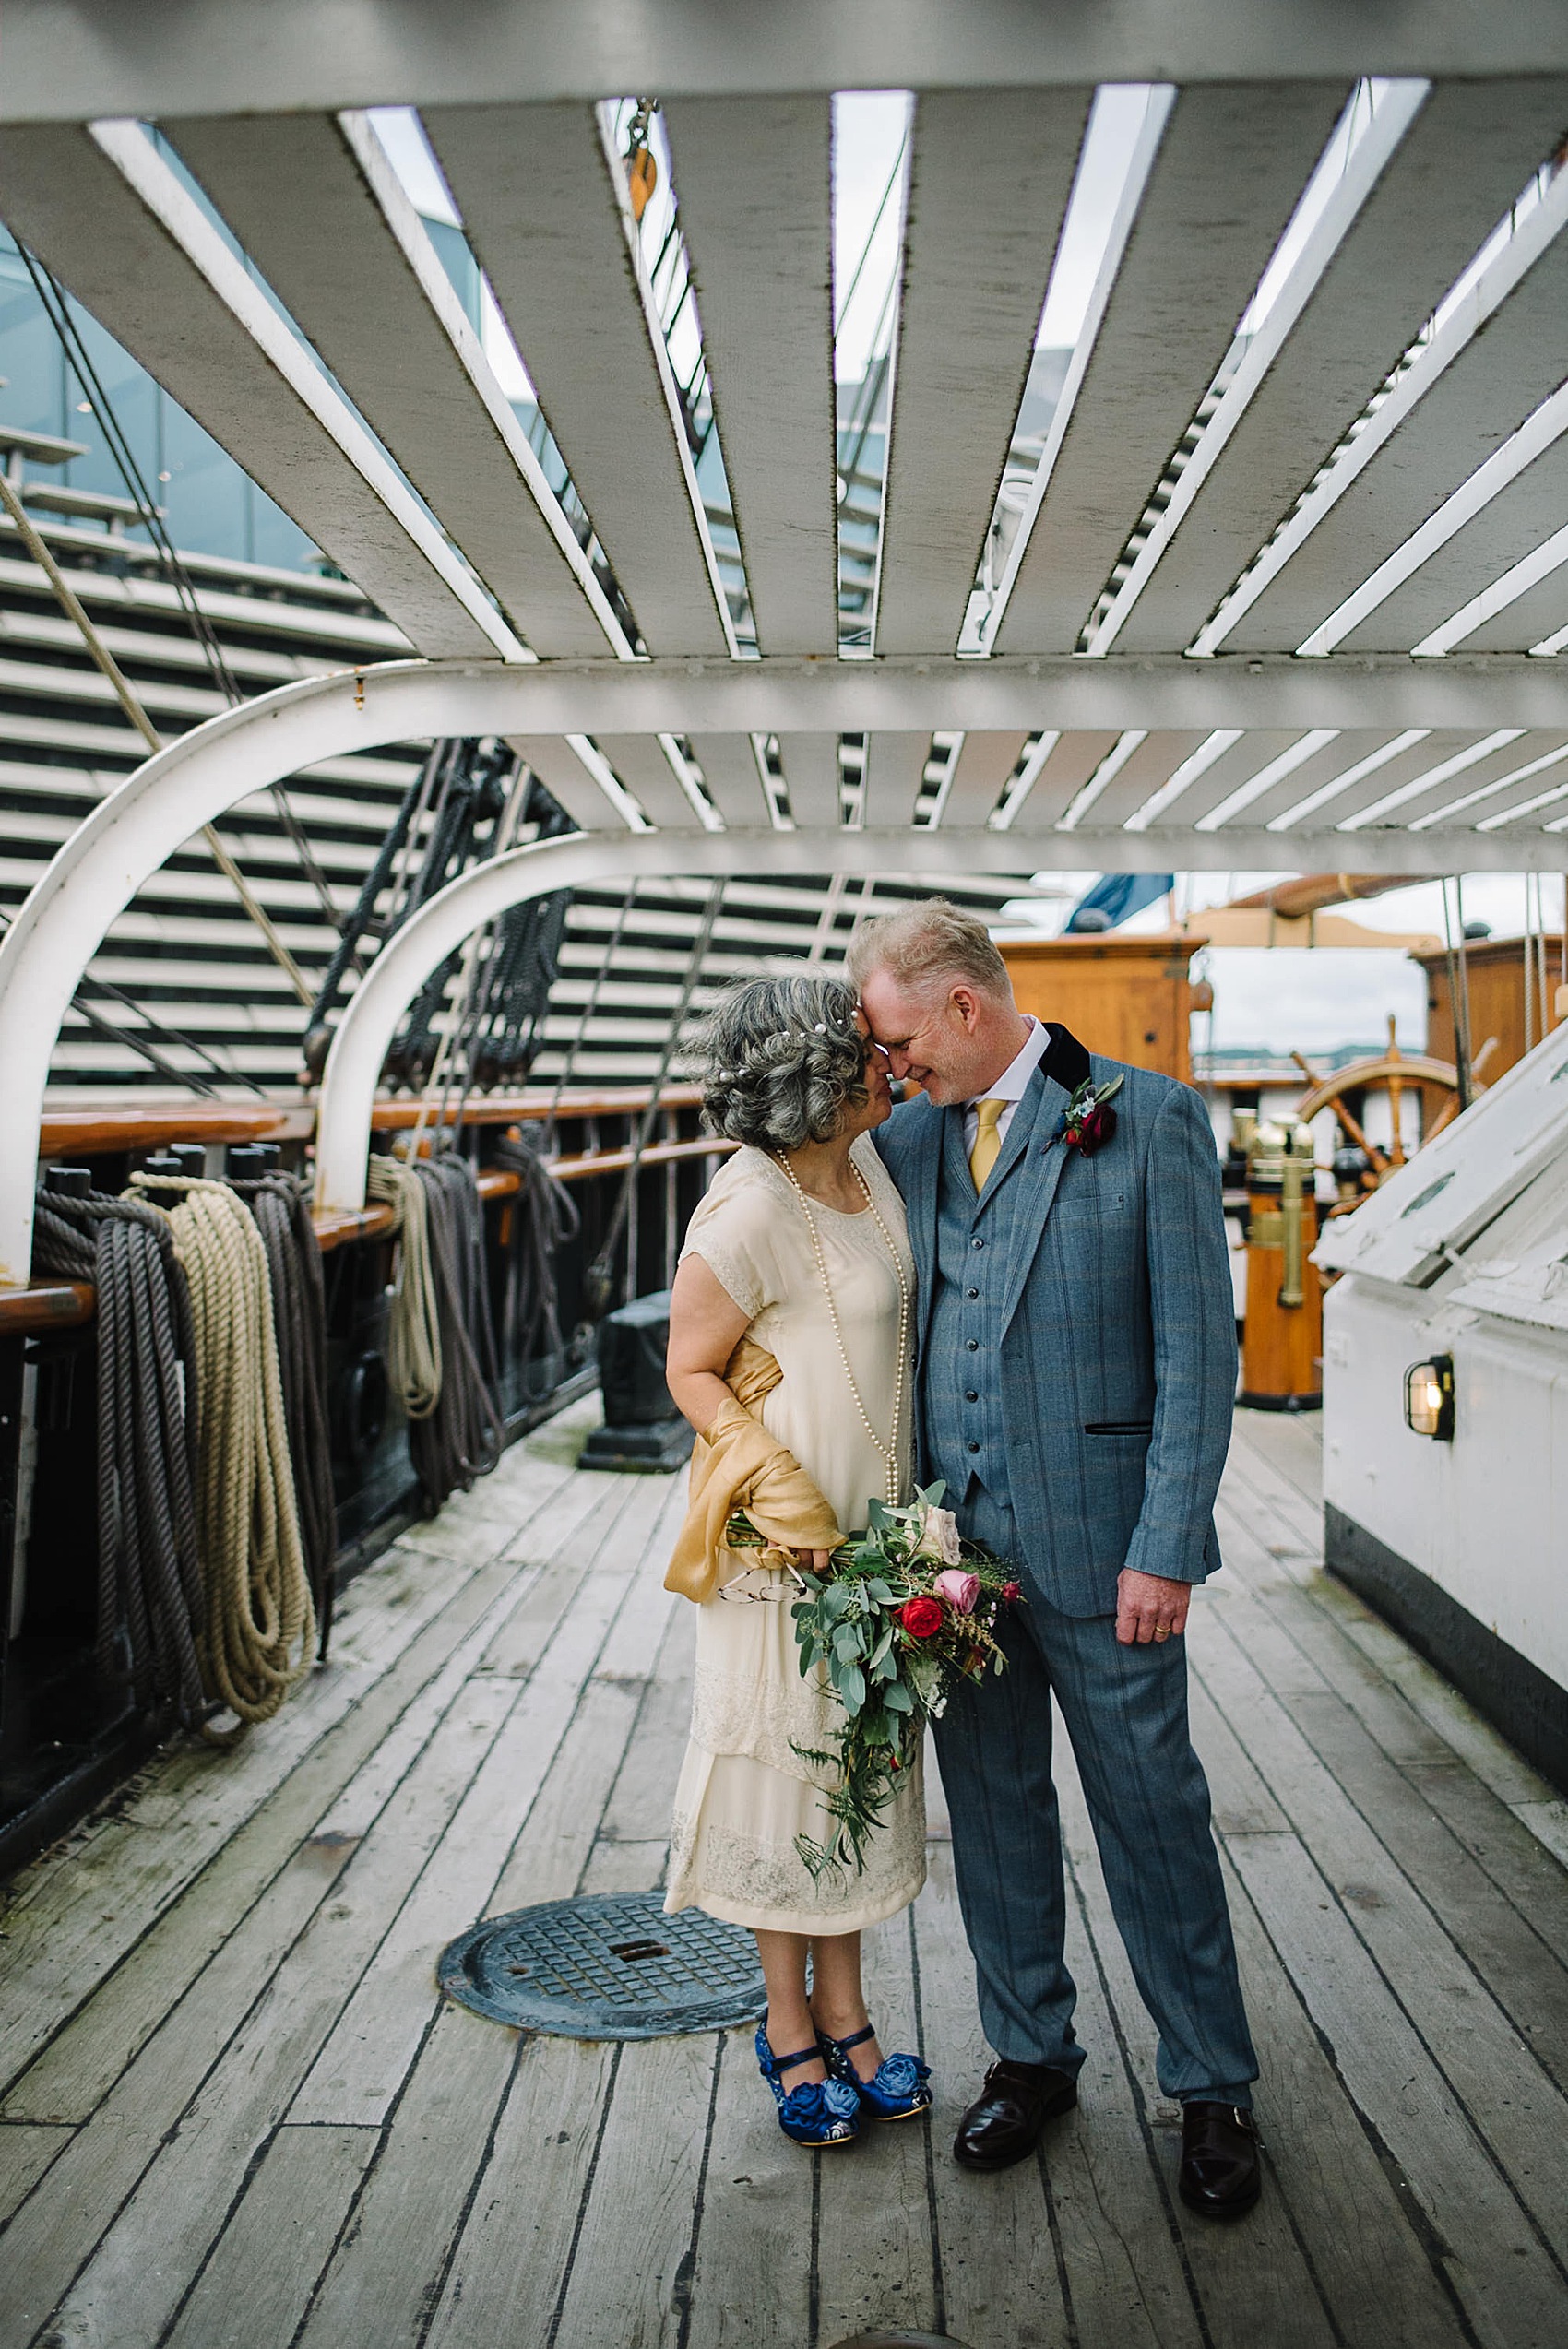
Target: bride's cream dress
745,1793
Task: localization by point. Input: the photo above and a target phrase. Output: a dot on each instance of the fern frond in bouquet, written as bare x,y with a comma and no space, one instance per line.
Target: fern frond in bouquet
906,1610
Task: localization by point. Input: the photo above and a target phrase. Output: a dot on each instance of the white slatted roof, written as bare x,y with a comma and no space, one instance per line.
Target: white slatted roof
1287,592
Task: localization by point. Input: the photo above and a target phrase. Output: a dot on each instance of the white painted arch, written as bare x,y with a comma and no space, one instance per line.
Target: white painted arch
159,807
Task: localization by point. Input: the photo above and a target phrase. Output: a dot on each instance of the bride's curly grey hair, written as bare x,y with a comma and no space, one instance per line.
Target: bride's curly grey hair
781,1062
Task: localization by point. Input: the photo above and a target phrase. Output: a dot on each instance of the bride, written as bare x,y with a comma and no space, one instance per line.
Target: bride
791,1353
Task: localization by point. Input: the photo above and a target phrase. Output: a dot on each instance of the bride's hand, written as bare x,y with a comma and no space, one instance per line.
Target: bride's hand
813,1562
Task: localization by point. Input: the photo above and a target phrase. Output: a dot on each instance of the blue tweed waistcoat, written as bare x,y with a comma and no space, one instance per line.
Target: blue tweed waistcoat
1104,1344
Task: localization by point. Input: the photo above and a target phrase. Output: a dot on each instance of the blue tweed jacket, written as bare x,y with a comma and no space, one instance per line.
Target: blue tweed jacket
1117,1353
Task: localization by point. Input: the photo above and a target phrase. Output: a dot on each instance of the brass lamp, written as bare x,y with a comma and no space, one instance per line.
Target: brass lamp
1429,1398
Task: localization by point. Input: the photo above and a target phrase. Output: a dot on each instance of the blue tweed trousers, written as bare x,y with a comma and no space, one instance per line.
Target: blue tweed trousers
1125,1710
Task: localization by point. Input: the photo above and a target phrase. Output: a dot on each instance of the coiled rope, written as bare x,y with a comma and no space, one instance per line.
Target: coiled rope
544,1218
413,1342
280,1205
441,1347
462,1438
150,1581
260,1627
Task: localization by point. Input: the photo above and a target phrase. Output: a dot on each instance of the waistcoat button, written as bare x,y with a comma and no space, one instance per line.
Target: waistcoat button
970,1394
971,1292
977,1243
974,1447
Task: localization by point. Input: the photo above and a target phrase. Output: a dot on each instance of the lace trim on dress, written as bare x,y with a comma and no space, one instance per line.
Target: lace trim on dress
733,1713
749,1873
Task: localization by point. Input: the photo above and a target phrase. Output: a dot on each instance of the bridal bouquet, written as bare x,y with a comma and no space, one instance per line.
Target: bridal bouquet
903,1612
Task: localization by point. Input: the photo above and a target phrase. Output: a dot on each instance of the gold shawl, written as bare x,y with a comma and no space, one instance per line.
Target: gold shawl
737,1465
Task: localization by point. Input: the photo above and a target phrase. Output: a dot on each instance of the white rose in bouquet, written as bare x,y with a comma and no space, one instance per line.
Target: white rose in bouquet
939,1538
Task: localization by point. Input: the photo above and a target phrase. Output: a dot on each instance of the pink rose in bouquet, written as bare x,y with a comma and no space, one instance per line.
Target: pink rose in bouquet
959,1589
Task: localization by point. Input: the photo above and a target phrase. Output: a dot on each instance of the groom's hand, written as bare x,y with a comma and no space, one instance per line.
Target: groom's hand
1150,1608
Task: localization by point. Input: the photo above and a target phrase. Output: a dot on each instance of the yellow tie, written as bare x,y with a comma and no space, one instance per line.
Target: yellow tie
987,1141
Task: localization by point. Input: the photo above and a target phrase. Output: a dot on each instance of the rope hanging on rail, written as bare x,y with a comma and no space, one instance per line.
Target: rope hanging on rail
543,1218
149,1581
441,1348
413,1343
280,1205
462,1438
260,1630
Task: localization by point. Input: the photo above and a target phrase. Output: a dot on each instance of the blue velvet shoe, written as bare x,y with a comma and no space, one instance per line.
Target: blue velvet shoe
819,2112
897,2090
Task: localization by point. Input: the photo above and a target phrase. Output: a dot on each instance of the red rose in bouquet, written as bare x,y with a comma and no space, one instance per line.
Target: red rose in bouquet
922,1617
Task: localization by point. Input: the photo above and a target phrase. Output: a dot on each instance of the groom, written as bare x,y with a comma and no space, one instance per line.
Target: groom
1077,1365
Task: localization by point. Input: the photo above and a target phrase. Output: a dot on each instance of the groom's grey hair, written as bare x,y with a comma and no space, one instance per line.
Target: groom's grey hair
929,941
782,1060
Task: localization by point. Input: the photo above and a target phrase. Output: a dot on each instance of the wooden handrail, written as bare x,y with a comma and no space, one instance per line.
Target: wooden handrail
93,1131
56,1304
46,1305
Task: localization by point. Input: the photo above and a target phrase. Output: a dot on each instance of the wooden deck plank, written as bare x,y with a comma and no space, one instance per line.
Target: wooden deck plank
632,2263
558,1551
1485,2063
508,1731
374,2042
625,1867
253,2290
1127,2279
333,1798
144,2188
504,2281
1002,2286
876,2249
756,2219
1370,2246
54,2232
1529,1981
64,1944
640,1804
27,2148
388,2268
1253,2283
1510,2289
434,2174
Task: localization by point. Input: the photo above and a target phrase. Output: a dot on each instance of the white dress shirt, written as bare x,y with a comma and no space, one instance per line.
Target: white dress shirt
1010,1087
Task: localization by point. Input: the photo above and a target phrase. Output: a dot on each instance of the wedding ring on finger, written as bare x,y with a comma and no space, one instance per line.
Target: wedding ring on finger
1162,1630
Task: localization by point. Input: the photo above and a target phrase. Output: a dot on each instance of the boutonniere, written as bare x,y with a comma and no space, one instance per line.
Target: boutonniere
1089,1119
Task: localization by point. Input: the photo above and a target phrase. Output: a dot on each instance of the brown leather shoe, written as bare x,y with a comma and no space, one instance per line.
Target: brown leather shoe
1002,2124
1220,2172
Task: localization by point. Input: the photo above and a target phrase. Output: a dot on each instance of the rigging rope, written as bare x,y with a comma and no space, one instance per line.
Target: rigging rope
260,1628
462,1438
149,1581
280,1205
544,1218
441,1348
413,1343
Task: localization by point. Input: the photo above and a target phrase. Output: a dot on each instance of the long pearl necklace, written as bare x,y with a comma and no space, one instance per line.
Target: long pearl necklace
890,1451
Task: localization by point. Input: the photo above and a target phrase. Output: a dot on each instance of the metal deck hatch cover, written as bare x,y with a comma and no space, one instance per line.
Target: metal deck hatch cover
609,1965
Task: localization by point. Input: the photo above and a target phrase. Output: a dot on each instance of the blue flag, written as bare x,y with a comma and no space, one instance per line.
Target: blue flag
1115,897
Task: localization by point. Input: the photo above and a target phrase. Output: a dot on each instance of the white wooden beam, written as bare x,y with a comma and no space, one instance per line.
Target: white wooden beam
80,58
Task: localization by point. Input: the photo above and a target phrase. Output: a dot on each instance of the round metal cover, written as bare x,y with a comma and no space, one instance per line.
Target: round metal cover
611,1965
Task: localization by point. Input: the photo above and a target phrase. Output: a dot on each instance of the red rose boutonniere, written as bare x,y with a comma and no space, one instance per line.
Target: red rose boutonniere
1089,1119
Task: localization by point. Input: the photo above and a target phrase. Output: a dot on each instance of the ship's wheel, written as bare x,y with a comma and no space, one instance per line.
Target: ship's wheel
1395,1074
